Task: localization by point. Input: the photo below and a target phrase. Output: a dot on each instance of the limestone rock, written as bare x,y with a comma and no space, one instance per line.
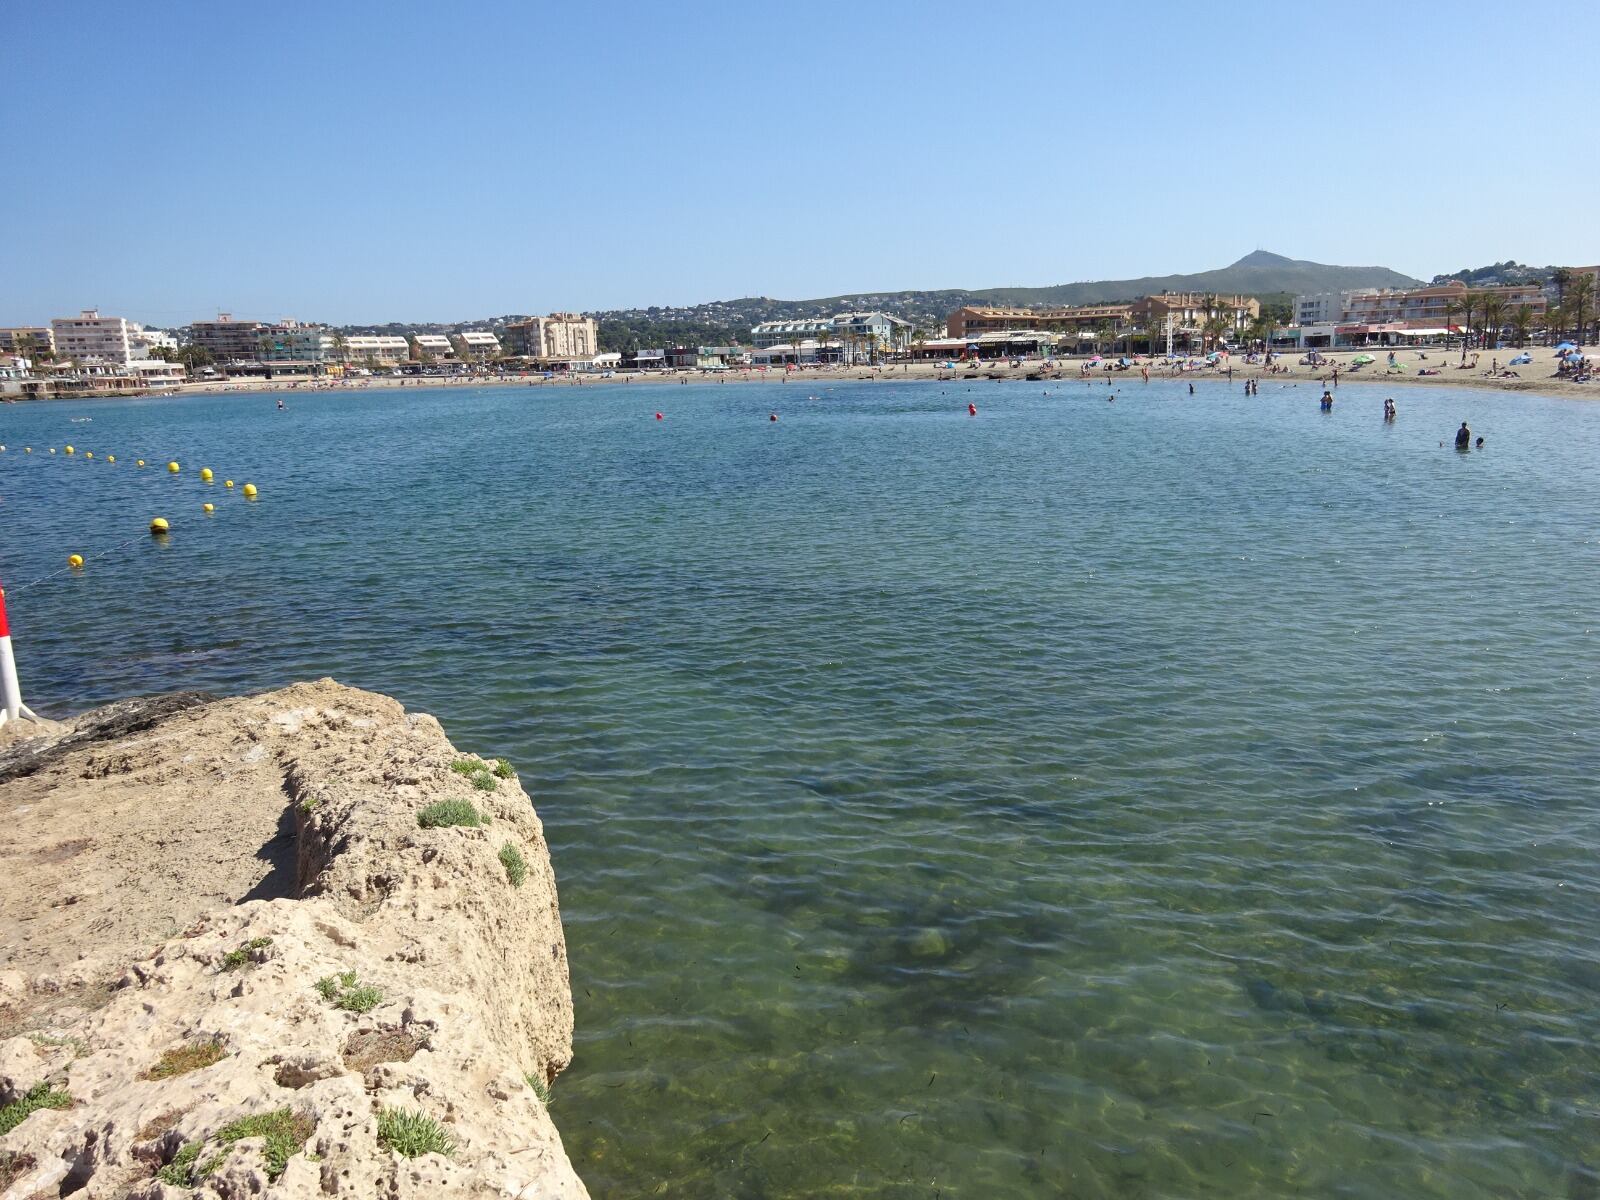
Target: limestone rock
249,948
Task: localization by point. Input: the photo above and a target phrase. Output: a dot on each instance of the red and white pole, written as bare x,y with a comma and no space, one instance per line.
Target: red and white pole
11,705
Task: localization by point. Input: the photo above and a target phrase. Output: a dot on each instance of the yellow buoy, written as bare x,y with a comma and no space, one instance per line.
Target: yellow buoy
111,458
75,561
209,507
140,463
249,491
69,449
227,483
173,467
159,525
88,453
27,449
205,474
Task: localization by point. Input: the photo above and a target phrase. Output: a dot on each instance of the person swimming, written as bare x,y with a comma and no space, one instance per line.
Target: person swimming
1463,437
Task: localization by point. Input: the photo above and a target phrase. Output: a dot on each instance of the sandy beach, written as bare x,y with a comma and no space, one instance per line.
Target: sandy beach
1287,370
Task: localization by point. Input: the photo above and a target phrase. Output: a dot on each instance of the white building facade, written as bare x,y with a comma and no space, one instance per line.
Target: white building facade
89,338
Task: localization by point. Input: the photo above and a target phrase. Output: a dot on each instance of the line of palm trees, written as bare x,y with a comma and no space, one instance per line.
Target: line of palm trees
1573,312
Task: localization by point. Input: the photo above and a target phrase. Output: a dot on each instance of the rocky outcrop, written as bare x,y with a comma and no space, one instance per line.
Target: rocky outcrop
382,1019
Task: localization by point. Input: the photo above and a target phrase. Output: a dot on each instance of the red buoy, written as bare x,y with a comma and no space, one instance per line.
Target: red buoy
773,417
972,410
658,416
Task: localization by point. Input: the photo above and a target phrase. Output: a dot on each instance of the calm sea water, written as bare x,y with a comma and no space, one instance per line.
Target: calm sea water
1162,798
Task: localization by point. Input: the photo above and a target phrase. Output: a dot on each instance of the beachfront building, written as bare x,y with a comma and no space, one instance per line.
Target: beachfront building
376,350
772,333
229,341
558,336
1080,319
89,339
869,333
1436,305
478,344
1319,308
157,373
1194,310
20,339
435,345
290,342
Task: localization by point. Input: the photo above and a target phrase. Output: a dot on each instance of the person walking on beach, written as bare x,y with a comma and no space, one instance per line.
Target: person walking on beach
1463,437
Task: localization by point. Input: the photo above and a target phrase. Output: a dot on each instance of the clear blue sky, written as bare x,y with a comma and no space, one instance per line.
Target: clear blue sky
356,161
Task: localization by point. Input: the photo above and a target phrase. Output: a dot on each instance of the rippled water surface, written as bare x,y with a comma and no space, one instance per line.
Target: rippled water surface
1162,798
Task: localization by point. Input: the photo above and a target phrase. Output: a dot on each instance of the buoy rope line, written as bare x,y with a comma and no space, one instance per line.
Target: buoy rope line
67,570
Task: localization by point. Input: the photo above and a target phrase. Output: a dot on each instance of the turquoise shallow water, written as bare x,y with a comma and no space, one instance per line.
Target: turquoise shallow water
1162,798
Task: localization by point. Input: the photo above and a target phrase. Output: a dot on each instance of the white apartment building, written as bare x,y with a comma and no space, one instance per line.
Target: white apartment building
480,343
151,339
359,348
861,330
436,344
89,338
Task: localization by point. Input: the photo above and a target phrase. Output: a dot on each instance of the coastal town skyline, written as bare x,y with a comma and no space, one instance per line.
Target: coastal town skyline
432,182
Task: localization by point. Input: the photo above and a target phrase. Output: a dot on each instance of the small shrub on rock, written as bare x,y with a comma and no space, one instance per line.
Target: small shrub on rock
503,769
182,1059
178,1171
412,1133
449,812
40,1095
479,774
349,993
540,1088
243,954
285,1132
516,866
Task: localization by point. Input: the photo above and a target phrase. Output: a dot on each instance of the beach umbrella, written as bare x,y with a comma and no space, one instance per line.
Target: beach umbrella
1566,346
1362,359
1521,360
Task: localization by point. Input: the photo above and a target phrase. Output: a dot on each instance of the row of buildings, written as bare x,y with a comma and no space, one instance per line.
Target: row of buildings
109,352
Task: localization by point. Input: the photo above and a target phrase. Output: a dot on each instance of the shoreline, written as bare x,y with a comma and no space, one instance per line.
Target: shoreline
1287,371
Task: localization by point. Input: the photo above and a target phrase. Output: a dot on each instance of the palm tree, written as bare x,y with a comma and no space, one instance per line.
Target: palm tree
1521,323
1494,309
1581,289
1553,317
1102,333
1561,276
1464,305
24,346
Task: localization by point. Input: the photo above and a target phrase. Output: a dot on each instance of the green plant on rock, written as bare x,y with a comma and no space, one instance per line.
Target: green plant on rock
242,954
449,812
479,774
516,866
40,1095
540,1088
503,769
284,1130
412,1133
346,992
181,1168
182,1059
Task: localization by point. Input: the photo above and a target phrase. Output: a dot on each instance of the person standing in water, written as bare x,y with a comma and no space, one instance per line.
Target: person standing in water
1388,409
1463,437
1327,400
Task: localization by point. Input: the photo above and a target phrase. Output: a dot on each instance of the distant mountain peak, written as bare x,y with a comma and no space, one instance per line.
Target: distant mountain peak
1265,258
